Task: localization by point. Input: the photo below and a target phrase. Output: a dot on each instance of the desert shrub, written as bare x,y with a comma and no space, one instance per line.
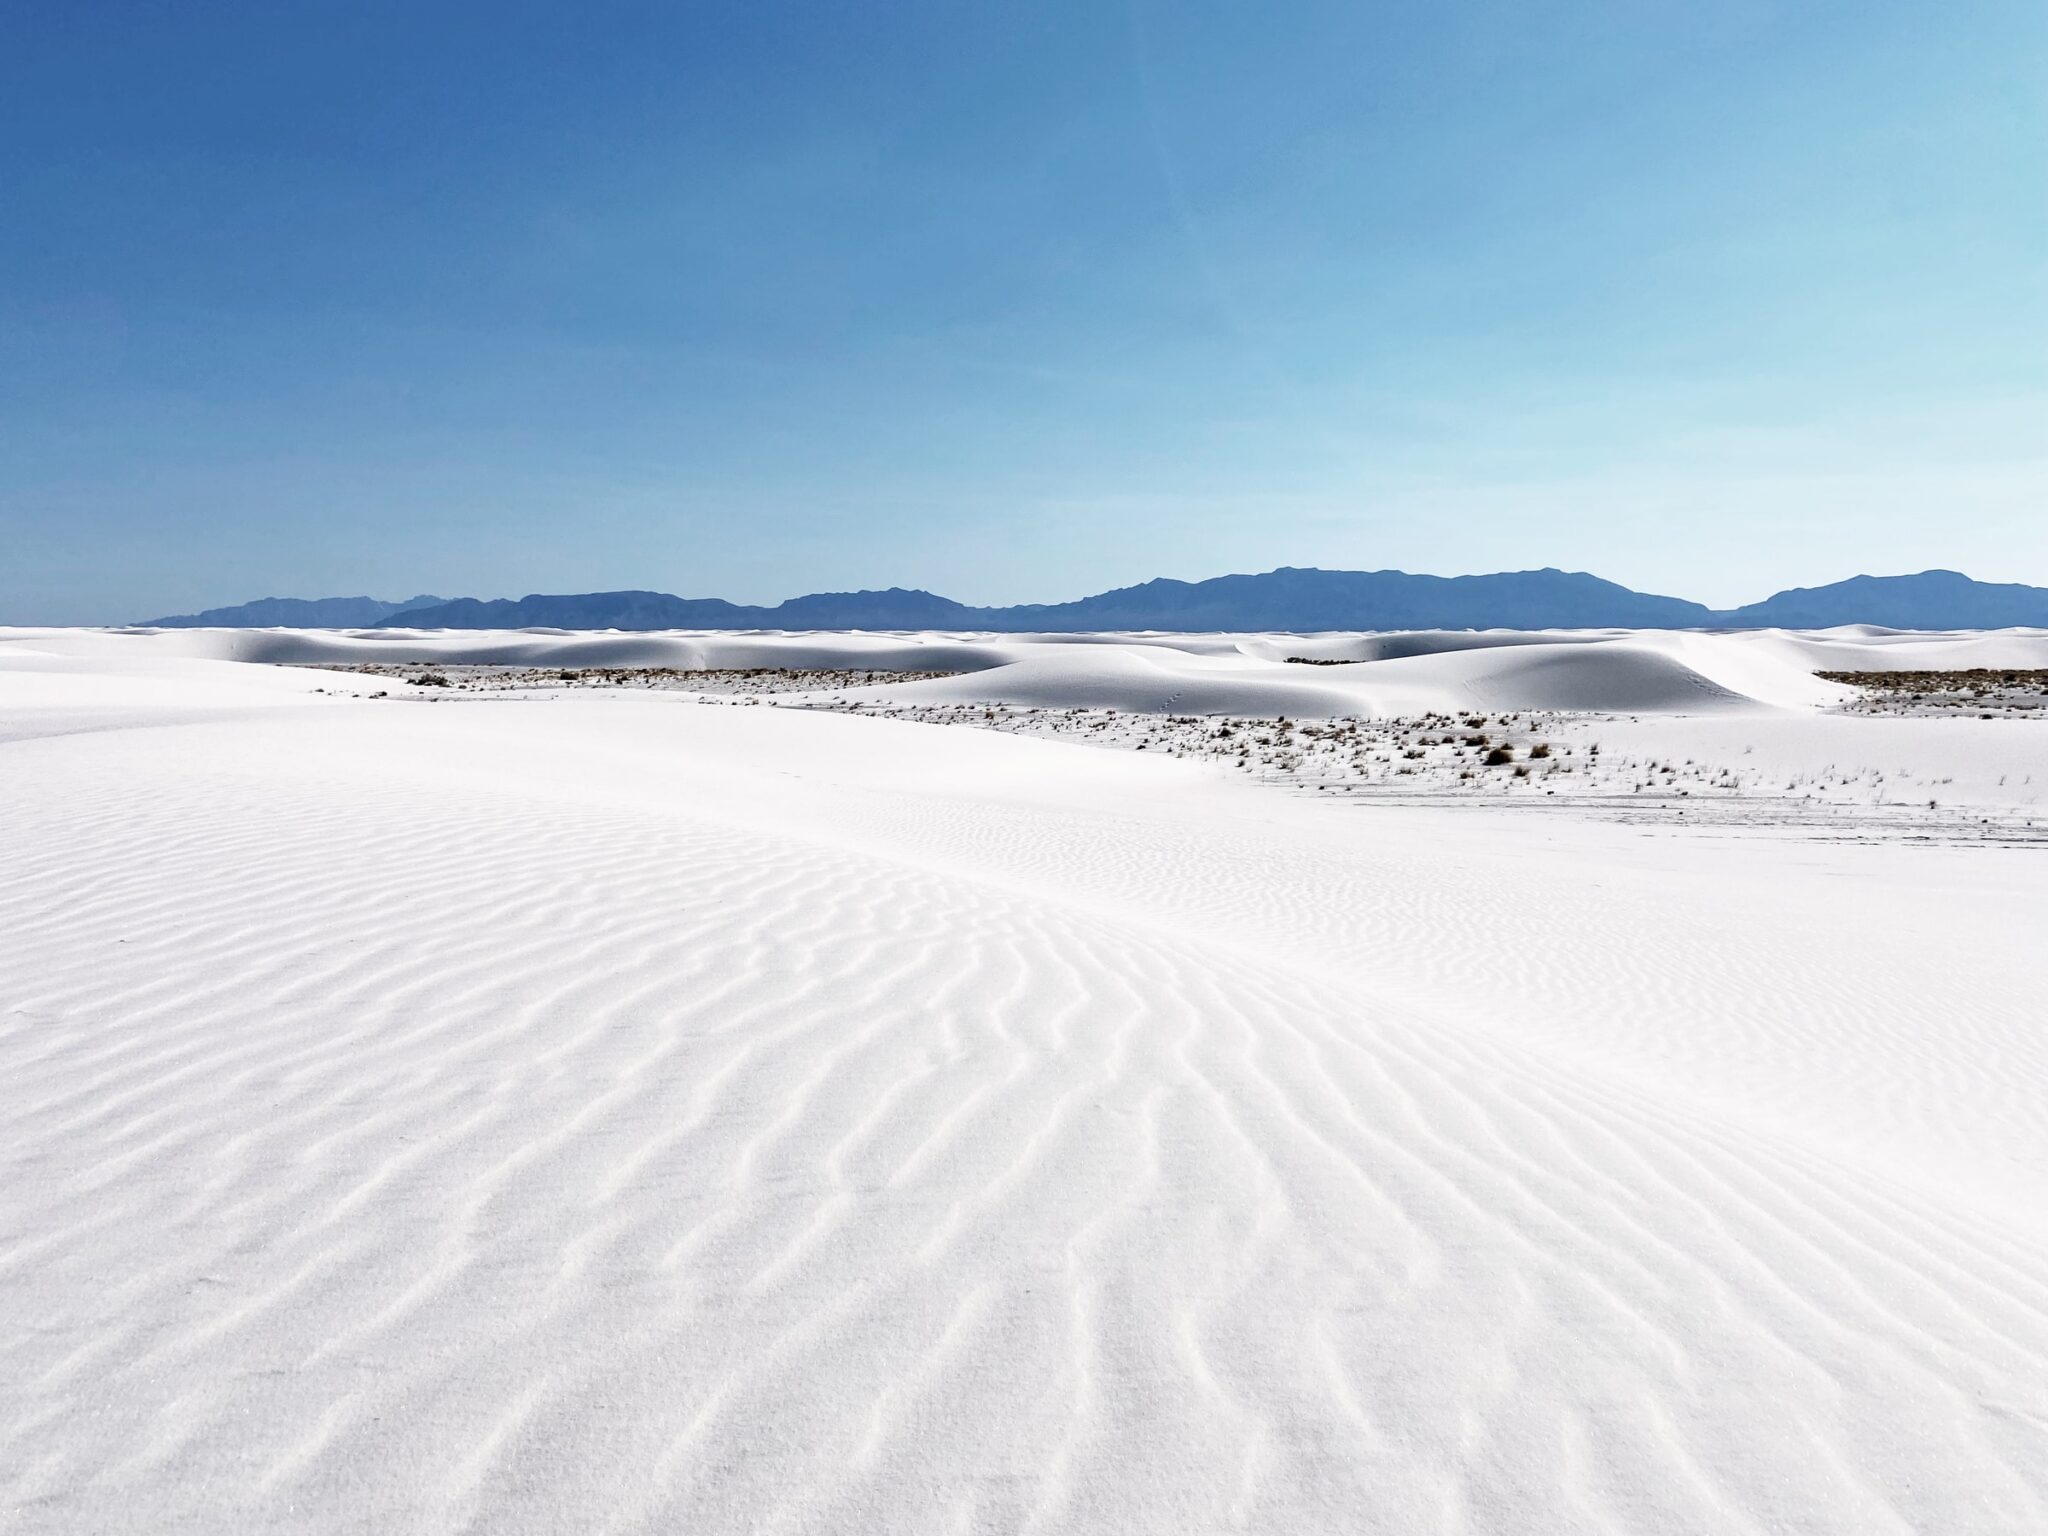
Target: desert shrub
428,680
1500,755
1541,749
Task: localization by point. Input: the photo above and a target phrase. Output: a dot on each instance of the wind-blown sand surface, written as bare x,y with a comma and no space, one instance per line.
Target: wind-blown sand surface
614,1111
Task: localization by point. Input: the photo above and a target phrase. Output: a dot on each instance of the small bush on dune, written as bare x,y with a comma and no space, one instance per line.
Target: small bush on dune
1500,755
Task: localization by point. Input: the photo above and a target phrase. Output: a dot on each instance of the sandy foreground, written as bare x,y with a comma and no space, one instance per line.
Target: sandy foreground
602,1111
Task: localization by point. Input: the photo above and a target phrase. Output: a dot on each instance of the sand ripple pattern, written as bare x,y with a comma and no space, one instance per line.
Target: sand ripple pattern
379,1156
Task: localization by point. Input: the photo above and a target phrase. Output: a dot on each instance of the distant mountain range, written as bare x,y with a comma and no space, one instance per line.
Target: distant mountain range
297,613
1286,599
1930,600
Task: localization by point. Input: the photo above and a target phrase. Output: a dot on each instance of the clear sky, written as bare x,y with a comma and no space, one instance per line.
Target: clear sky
1013,302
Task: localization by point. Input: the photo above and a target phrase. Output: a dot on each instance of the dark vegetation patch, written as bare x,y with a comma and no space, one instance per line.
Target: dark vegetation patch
1983,690
491,679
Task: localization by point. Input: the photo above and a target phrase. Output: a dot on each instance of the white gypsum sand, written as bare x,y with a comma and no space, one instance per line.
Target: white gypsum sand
610,1110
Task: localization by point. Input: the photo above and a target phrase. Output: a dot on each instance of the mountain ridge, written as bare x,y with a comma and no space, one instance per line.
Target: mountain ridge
296,613
1293,598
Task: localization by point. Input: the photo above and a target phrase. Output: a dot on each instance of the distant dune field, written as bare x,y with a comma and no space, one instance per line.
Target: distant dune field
557,1108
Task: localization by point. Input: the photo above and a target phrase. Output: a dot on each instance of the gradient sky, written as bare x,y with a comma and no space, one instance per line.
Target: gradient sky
1013,303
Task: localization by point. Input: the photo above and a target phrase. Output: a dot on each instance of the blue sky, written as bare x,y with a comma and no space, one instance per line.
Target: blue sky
1013,303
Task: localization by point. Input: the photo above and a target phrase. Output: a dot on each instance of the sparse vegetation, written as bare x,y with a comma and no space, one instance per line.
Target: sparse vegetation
1978,690
1432,755
479,678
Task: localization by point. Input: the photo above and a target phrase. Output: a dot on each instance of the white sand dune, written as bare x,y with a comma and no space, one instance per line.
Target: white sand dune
565,648
1638,670
1572,675
615,1112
